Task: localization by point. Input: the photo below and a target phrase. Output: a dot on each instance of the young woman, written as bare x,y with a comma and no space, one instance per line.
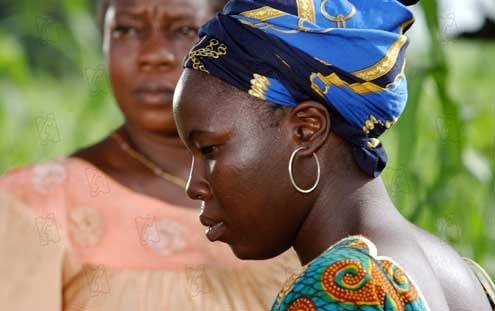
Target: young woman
110,227
282,105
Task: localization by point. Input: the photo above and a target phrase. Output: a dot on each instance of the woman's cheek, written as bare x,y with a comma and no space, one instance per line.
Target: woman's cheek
210,167
227,180
182,46
122,68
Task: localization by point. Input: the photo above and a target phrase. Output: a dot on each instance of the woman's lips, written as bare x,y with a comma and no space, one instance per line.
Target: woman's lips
154,96
216,229
215,232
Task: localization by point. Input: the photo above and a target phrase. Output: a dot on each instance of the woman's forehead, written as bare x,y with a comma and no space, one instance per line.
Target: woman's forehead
195,96
202,99
170,4
200,89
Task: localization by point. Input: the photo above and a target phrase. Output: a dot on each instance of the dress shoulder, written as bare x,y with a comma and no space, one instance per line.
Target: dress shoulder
37,182
485,280
350,276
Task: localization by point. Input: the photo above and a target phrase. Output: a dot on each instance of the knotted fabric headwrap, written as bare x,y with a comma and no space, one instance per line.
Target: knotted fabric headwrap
348,55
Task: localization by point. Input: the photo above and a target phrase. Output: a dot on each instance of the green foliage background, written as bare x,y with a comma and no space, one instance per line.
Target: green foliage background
54,98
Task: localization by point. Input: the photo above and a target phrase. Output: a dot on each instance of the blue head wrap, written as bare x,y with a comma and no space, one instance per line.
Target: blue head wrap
348,55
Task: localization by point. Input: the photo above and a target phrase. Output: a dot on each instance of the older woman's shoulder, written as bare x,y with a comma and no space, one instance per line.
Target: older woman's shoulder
52,179
46,188
35,182
350,276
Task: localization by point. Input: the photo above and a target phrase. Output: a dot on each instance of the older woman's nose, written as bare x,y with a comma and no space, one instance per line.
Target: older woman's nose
156,54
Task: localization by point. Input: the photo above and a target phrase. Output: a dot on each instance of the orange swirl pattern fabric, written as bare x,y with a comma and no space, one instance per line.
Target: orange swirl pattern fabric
349,276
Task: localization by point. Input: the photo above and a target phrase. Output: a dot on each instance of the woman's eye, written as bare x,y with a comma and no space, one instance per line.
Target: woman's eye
208,151
187,31
124,31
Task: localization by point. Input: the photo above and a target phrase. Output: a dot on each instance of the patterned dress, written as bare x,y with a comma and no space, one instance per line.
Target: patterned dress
350,276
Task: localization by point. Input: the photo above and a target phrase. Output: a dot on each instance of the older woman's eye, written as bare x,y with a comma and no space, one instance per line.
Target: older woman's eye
187,31
124,31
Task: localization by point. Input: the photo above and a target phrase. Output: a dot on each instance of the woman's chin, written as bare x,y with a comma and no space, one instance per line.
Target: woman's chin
254,253
160,121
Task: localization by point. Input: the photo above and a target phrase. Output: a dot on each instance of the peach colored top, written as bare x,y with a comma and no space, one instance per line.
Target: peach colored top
72,238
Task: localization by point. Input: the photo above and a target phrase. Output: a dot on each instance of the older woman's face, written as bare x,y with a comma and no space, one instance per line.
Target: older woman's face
145,43
239,167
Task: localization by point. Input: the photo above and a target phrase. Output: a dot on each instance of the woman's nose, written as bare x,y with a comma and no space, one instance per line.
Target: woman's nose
197,187
156,54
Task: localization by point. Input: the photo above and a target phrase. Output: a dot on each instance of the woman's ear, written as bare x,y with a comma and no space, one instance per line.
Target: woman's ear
309,123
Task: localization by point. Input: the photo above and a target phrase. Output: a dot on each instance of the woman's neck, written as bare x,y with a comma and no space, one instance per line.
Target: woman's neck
167,151
344,207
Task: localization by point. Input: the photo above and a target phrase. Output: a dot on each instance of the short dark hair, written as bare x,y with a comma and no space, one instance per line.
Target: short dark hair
101,10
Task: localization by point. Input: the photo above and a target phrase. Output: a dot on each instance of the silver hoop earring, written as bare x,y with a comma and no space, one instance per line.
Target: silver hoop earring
291,174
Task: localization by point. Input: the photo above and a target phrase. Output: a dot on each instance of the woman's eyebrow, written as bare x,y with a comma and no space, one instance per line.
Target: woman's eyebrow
180,16
128,12
195,133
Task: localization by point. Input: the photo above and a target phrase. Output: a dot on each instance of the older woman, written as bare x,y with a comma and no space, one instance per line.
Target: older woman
282,105
110,227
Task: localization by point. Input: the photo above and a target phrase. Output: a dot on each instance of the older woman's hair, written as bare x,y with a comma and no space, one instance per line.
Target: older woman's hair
103,5
101,10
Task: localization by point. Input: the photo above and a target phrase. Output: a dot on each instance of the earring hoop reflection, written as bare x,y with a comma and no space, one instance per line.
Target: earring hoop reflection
291,173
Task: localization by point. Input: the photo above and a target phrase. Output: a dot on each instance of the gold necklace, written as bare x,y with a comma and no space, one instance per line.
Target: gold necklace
157,170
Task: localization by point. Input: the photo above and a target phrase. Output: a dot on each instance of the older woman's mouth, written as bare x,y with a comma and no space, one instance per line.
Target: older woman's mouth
154,94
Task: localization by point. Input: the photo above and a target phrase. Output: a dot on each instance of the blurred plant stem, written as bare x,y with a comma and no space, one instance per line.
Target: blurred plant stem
450,143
